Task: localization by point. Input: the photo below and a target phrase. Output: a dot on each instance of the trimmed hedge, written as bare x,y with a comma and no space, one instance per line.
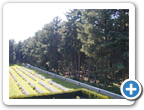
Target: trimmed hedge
87,94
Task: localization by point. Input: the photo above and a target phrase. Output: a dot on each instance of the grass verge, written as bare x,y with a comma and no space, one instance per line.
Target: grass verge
73,94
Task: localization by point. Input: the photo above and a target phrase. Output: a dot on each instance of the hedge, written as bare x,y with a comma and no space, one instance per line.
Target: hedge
87,94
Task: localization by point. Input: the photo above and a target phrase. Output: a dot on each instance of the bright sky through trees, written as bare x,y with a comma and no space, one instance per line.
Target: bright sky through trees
23,23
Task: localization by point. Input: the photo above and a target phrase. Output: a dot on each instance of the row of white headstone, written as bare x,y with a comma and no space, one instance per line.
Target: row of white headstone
23,68
26,74
40,82
39,76
10,71
31,76
51,82
47,86
15,70
18,68
57,85
13,75
28,71
38,89
23,88
23,77
23,71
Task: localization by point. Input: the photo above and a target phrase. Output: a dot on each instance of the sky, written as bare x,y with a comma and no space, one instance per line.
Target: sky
27,18
23,23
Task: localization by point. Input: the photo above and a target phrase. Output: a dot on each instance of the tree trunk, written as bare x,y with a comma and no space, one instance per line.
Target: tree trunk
106,64
78,66
123,75
88,69
95,79
69,70
75,65
116,78
56,66
57,70
95,74
105,76
19,56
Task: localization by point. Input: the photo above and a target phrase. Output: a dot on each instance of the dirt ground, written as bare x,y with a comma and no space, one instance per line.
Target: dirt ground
83,76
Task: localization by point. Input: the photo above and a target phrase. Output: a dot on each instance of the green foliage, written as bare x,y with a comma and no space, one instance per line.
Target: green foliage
77,97
64,95
33,87
67,76
12,53
19,87
93,43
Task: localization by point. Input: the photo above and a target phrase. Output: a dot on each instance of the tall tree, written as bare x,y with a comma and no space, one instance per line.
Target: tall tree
94,41
12,54
50,42
96,34
70,45
18,50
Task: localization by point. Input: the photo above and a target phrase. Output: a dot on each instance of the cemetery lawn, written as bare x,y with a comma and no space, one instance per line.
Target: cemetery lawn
23,82
57,80
14,90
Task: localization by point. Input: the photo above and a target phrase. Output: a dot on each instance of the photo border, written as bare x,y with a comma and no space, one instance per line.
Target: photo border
6,18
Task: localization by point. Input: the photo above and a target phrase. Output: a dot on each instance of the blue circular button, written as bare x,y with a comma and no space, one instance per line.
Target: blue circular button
131,89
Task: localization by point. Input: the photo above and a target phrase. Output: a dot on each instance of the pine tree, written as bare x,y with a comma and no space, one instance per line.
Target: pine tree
97,34
70,45
12,54
18,50
94,41
50,42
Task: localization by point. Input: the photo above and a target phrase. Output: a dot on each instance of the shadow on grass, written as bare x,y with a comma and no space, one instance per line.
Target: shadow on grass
66,84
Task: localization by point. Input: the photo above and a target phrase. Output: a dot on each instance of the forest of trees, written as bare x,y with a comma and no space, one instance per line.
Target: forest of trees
92,45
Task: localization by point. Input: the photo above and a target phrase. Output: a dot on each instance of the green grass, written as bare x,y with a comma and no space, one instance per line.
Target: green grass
29,89
13,88
27,86
23,82
57,80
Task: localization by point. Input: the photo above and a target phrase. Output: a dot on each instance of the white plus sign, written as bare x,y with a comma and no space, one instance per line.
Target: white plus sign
131,89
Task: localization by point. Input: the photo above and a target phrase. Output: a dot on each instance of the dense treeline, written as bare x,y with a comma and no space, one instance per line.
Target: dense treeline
92,45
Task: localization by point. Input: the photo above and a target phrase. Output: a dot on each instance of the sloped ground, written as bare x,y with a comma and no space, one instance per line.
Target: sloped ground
14,90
